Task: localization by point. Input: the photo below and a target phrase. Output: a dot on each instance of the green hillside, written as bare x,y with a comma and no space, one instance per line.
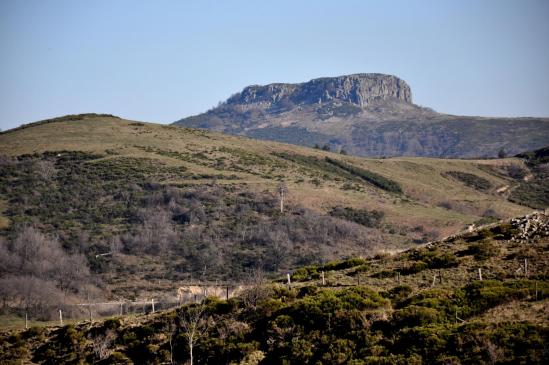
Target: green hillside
118,209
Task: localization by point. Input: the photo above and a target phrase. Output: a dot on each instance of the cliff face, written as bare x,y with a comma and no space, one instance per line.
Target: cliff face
358,89
366,115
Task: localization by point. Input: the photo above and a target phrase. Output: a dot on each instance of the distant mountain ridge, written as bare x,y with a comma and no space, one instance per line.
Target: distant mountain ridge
366,115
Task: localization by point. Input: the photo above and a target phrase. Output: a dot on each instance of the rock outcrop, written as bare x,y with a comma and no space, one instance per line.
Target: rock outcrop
530,226
358,89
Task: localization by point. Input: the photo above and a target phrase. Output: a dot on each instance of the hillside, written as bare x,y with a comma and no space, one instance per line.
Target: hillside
366,115
481,297
117,209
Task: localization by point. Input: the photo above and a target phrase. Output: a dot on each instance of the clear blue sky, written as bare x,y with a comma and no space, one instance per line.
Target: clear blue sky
162,60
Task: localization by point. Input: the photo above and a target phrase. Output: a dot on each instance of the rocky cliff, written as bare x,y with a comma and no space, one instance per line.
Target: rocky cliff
366,115
358,89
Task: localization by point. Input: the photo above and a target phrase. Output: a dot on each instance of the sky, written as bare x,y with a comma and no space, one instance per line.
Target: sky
162,60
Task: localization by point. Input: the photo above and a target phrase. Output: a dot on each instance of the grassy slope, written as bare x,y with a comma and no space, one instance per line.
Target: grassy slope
253,165
420,178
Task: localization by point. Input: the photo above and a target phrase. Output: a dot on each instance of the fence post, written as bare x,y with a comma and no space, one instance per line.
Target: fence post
121,308
227,292
27,318
152,303
89,307
526,267
323,280
289,281
480,274
60,317
398,277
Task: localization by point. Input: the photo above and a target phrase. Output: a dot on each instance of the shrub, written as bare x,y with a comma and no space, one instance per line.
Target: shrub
412,316
483,250
343,264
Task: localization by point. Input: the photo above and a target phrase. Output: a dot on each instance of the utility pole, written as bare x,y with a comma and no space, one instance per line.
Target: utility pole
281,192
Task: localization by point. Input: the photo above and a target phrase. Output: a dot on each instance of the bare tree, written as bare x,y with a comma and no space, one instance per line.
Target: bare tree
102,344
256,289
194,325
170,329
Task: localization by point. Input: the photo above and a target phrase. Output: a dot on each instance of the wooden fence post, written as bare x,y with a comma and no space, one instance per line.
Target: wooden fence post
480,274
323,280
60,317
27,318
152,304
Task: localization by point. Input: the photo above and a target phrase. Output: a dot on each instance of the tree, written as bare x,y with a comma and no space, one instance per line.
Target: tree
502,153
194,325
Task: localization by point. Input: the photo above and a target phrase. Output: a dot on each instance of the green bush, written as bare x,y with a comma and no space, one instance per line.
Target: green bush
483,250
430,258
412,316
343,264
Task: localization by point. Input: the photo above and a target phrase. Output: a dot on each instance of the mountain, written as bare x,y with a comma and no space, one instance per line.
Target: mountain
118,209
366,115
480,297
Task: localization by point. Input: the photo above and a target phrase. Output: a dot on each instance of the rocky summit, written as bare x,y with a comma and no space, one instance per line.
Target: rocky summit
366,115
359,89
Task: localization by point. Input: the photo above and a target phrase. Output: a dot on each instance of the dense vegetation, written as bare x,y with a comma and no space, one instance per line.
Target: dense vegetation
272,324
421,306
87,205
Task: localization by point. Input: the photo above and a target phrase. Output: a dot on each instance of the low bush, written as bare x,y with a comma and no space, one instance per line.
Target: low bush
483,250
